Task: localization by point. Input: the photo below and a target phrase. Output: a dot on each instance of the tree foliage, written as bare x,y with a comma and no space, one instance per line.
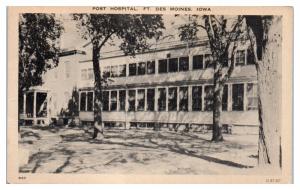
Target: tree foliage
38,47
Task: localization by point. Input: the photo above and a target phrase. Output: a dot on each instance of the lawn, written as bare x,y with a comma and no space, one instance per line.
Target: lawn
134,151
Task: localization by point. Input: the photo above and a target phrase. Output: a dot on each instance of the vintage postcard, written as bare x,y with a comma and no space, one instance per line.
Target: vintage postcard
150,95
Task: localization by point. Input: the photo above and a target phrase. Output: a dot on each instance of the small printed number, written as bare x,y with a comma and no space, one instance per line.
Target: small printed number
22,177
272,180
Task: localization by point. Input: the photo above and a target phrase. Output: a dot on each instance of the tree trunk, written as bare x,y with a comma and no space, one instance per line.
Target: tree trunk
269,90
98,125
217,108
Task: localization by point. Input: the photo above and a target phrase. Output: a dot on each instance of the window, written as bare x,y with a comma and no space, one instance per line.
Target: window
132,69
114,71
209,98
141,100
105,100
82,101
83,74
198,62
122,70
131,100
162,66
106,72
67,69
252,96
90,101
113,100
240,57
250,57
208,61
90,74
225,98
150,99
150,67
161,99
172,104
142,68
183,99
197,98
183,63
238,97
122,99
173,65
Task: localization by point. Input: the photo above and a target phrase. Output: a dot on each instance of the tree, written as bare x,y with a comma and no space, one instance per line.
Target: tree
38,48
223,41
265,33
132,30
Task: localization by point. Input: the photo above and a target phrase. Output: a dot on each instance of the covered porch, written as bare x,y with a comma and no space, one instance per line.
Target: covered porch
35,107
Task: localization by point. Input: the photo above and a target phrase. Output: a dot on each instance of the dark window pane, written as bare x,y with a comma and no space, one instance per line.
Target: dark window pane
197,98
240,57
90,101
225,98
238,97
208,61
198,62
131,100
150,67
106,72
122,70
209,98
132,69
161,99
183,63
150,99
105,100
113,100
142,68
183,99
250,57
141,100
114,71
162,66
122,99
173,65
172,104
82,101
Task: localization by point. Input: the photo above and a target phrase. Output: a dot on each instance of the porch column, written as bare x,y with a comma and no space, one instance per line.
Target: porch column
24,103
34,108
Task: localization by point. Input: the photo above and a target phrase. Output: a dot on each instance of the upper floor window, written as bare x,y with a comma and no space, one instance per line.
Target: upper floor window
122,70
183,63
113,100
132,69
90,98
114,71
173,65
240,57
106,71
208,61
162,66
131,100
250,57
122,99
150,67
82,101
141,68
198,62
